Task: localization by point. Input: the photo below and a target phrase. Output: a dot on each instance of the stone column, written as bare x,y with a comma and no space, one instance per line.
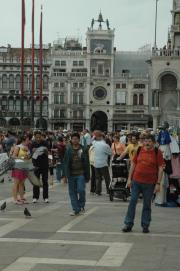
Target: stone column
178,99
154,123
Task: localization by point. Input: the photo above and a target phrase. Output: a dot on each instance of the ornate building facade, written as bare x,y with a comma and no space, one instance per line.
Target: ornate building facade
95,86
10,86
165,76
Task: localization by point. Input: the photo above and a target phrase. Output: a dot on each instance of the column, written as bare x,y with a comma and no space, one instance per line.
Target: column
178,99
154,123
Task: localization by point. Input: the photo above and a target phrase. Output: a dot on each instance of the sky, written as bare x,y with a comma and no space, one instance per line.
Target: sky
133,21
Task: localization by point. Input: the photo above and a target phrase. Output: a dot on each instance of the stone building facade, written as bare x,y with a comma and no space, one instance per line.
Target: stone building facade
165,76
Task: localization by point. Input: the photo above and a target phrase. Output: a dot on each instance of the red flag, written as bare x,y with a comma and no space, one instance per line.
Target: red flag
41,57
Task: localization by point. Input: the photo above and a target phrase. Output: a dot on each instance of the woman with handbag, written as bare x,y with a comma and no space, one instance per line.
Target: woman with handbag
21,151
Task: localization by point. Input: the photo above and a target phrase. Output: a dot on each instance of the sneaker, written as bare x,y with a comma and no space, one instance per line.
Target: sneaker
46,200
34,200
82,211
145,230
127,228
74,214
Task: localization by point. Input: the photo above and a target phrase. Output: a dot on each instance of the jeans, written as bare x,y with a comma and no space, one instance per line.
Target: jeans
147,191
36,189
77,192
59,171
93,180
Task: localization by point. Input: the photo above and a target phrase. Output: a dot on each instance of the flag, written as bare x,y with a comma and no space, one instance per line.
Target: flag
32,49
41,61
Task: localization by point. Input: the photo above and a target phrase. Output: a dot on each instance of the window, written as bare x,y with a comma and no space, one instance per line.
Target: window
81,85
118,85
11,104
45,82
121,98
81,98
100,69
4,81
81,114
56,99
81,63
38,82
4,103
62,85
18,80
25,82
57,63
93,71
30,82
37,105
17,104
62,113
75,85
141,86
63,63
75,98
45,105
75,114
141,99
123,85
75,63
25,104
61,98
135,99
56,85
56,113
107,72
11,81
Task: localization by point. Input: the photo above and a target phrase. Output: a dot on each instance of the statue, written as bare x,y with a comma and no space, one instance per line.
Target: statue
92,23
107,23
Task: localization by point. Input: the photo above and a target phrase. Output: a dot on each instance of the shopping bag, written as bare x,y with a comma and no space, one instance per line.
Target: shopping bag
33,179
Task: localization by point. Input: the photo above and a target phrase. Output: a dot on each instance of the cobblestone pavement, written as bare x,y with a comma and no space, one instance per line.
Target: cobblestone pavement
52,240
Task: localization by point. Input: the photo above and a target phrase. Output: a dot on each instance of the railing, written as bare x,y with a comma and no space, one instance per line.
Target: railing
166,52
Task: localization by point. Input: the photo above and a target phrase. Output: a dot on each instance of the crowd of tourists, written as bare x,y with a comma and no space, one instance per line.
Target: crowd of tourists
81,158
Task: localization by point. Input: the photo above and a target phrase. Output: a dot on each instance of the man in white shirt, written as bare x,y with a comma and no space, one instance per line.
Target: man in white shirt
101,153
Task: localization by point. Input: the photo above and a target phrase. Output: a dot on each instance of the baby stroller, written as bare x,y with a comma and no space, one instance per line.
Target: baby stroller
117,187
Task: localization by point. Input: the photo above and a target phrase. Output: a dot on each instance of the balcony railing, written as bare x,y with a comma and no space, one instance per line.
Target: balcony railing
166,53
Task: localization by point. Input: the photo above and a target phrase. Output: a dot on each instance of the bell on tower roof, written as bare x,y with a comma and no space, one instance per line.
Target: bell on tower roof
101,21
100,18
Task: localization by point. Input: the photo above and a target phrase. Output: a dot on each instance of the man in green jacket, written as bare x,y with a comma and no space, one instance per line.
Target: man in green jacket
77,171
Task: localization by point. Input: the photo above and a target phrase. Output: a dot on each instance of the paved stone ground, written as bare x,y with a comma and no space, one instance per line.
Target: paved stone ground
52,240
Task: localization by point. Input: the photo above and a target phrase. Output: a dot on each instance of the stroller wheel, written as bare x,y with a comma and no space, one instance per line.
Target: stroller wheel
111,195
124,198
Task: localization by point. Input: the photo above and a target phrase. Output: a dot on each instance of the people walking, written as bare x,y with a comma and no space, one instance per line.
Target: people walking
40,162
77,171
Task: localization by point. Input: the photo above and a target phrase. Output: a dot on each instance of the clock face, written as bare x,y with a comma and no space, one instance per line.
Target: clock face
99,93
101,45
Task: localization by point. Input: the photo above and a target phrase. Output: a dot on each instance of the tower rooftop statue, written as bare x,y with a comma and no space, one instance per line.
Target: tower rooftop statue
100,21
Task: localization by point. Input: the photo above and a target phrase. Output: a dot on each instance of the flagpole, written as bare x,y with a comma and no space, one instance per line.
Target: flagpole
155,34
41,66
22,63
32,91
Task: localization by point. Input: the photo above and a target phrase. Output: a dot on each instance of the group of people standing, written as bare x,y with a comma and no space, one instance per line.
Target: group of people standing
79,158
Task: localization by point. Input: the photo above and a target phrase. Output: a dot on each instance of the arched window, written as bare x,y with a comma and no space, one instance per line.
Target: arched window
25,82
11,103
135,99
45,105
37,82
17,104
4,103
4,81
45,82
11,81
141,99
26,103
37,104
18,82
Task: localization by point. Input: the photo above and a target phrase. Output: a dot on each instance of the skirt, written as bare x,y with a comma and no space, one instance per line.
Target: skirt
19,174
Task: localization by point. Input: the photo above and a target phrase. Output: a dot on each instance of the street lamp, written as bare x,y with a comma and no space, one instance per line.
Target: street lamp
155,36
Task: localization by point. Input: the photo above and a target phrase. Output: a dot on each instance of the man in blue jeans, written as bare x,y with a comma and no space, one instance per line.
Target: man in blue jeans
77,171
144,177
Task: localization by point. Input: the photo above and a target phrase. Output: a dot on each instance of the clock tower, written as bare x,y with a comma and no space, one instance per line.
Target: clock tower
100,54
